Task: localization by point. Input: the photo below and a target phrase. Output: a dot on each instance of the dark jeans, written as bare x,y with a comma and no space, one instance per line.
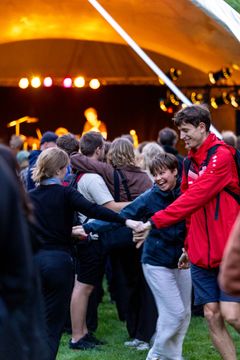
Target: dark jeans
56,271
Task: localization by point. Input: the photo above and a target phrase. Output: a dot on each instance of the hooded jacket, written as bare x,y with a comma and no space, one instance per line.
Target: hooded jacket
137,180
210,210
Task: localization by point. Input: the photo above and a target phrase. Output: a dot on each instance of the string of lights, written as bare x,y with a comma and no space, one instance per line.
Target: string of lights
67,82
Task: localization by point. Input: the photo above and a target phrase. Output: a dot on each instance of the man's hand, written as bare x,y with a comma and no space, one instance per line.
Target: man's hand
183,262
133,224
78,231
143,227
139,237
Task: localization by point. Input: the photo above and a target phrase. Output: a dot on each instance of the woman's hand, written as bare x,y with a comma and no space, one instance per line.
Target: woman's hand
78,231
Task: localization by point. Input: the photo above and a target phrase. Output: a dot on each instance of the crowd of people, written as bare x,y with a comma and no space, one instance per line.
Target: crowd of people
156,225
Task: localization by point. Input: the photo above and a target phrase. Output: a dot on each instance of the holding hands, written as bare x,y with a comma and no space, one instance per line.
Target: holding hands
133,224
78,231
138,226
183,262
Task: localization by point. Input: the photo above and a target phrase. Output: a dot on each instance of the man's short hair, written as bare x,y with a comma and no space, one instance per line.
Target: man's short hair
68,143
167,136
163,161
90,141
193,114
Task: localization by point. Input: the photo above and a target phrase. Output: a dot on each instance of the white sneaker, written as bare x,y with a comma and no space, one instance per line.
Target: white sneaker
150,357
133,343
143,346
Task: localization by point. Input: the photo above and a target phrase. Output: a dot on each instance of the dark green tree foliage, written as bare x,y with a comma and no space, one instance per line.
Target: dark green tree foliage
235,4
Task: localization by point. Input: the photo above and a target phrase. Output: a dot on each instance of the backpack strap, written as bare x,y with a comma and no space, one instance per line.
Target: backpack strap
116,185
75,179
210,153
118,173
186,165
125,184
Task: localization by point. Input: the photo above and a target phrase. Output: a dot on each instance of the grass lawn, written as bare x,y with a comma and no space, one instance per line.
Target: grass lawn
197,345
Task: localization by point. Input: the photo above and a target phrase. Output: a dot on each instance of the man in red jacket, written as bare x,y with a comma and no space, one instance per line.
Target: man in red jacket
207,202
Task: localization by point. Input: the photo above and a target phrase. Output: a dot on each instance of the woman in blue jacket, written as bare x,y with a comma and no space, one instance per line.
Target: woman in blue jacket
171,287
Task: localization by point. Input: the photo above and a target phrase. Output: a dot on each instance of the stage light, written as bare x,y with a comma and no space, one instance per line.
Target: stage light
23,83
235,100
94,84
67,82
161,82
79,82
197,98
226,98
174,100
174,73
224,73
236,67
166,106
48,81
216,101
35,82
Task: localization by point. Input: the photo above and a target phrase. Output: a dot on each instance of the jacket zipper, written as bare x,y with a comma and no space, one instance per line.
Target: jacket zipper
207,232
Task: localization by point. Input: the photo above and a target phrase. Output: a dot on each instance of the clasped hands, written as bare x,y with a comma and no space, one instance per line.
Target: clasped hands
140,231
78,232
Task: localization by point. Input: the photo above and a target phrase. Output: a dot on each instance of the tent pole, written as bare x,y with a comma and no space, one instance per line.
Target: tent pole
144,56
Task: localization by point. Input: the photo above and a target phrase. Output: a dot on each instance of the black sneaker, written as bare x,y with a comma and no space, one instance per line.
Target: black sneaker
93,340
81,344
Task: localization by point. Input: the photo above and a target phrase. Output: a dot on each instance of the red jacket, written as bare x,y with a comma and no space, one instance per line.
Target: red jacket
208,225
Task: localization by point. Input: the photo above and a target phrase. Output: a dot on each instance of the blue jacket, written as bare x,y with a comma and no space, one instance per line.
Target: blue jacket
162,247
32,162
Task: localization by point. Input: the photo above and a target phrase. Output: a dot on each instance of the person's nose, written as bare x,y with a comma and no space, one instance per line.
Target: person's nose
182,135
157,177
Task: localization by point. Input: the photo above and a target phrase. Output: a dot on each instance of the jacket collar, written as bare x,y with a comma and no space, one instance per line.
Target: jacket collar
199,155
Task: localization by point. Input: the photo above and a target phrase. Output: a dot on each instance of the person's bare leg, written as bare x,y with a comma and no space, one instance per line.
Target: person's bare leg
78,308
231,313
218,332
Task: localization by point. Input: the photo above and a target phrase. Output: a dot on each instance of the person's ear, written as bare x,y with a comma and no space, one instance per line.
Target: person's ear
175,172
202,127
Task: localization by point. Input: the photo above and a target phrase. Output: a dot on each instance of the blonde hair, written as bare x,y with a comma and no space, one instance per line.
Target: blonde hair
48,163
121,153
149,151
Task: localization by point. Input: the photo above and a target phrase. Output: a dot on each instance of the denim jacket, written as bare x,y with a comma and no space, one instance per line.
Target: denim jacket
162,247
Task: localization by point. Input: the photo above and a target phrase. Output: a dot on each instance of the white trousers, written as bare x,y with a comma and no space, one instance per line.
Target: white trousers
171,289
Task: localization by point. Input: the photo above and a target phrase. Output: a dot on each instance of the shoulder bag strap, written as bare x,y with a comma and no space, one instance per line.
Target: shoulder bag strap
125,185
116,186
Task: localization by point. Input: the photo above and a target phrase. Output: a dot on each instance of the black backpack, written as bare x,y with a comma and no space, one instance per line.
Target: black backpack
187,164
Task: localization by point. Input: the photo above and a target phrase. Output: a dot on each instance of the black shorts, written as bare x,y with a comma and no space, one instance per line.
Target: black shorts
90,262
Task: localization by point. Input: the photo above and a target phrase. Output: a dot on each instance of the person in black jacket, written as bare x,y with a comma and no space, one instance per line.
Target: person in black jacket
21,325
54,207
